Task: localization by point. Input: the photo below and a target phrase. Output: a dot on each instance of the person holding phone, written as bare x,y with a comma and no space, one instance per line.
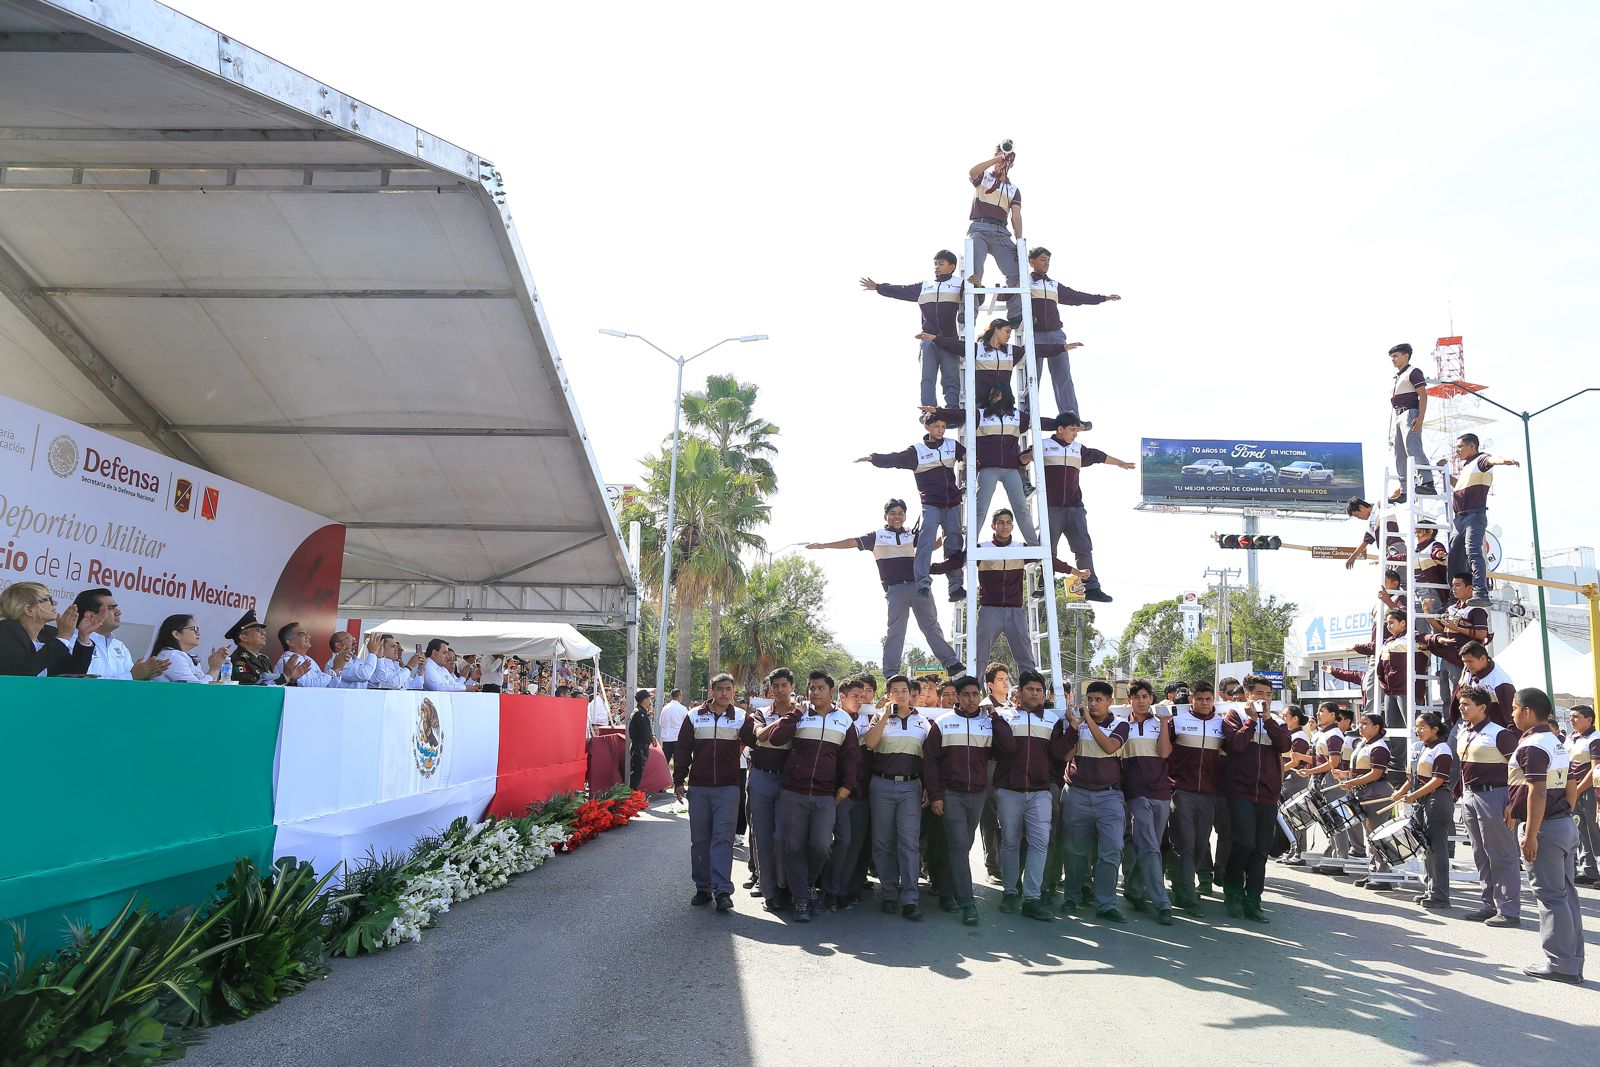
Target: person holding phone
1093,810
896,739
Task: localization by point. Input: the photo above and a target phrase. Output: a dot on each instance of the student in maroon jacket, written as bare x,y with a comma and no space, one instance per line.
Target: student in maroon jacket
1435,812
940,303
1024,768
933,459
824,761
1255,741
706,759
1148,789
1093,811
955,768
1478,669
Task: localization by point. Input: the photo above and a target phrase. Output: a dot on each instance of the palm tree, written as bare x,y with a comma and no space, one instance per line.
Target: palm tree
724,417
770,621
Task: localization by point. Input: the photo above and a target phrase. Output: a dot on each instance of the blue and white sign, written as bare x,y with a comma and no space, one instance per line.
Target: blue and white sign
1323,632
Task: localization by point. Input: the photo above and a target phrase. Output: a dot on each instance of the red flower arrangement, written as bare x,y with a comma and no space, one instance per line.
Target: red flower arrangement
597,816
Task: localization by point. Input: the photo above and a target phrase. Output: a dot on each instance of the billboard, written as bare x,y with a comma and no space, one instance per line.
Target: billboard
1316,475
81,509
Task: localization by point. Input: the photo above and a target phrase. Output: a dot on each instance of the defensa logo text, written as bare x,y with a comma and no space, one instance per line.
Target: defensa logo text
110,472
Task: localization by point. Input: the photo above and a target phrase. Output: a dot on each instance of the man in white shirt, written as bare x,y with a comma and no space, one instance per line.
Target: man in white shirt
671,722
438,670
296,642
111,657
360,666
390,673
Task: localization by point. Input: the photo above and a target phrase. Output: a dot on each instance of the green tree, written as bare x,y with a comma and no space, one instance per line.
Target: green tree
1195,661
1074,621
1153,636
771,622
1259,625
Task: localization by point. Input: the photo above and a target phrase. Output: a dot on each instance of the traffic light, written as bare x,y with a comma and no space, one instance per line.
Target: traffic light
1259,543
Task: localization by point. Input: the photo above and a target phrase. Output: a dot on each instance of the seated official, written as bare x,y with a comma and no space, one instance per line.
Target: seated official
296,667
438,670
390,673
177,636
111,657
250,663
360,665
26,608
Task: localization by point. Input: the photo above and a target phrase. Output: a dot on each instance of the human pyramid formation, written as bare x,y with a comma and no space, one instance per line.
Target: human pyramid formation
905,556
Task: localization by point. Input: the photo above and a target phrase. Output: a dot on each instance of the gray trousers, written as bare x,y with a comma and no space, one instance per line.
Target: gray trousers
936,364
1588,835
1192,817
1494,851
989,826
842,856
1074,524
1560,912
1345,841
1147,819
1408,442
1369,799
962,812
1011,478
992,622
1060,364
1466,548
713,810
1023,814
1088,817
934,522
1292,786
896,838
991,238
904,603
807,839
1435,818
764,794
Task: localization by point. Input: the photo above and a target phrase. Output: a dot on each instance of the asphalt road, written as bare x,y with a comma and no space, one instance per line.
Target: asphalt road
596,958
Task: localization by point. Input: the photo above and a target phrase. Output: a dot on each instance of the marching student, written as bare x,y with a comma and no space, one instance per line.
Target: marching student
894,549
1046,295
706,761
859,859
1147,790
767,763
1255,741
1001,458
1390,658
1327,748
849,828
1408,401
995,199
997,686
1001,594
896,739
940,303
824,760
1365,782
1300,755
1093,812
1195,767
1486,749
1540,801
1064,458
1478,669
1462,621
1583,749
957,760
1022,774
933,459
1429,789
1469,510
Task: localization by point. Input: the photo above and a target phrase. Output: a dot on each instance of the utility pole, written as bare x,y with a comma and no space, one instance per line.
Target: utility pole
1222,637
1252,526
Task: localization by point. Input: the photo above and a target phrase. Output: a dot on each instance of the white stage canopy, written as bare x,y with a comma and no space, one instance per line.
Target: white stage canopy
1571,671
207,252
534,640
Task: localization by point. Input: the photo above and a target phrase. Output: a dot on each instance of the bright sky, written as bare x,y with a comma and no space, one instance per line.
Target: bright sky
1279,193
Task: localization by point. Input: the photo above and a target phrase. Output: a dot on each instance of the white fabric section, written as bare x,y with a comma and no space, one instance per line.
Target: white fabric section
348,777
1571,671
536,640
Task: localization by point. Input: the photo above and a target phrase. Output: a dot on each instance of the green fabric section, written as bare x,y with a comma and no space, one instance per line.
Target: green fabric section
129,787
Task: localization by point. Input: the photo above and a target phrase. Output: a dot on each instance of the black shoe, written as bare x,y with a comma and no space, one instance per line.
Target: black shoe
1008,903
1327,868
1503,922
771,905
1380,887
1099,596
1037,593
1069,905
1191,907
947,904
1137,903
1234,910
1164,917
1587,879
1112,915
1252,911
724,902
1047,897
1207,888
831,903
802,912
753,881
1034,909
912,912
1436,905
1360,883
969,915
1293,861
702,897
955,668
958,596
1427,490
1028,490
1552,976
889,907
1480,915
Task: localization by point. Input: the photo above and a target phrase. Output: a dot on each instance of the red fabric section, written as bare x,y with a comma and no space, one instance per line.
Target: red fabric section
607,752
541,750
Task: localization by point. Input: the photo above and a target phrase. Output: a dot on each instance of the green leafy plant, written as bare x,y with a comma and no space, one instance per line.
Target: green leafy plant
119,997
560,808
273,933
369,901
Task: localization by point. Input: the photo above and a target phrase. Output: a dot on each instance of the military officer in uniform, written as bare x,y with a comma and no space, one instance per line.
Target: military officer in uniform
250,663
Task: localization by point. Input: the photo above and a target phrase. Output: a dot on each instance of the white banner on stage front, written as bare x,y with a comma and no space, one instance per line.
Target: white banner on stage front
81,509
367,769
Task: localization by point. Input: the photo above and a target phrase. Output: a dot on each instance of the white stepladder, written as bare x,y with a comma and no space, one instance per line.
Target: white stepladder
1041,569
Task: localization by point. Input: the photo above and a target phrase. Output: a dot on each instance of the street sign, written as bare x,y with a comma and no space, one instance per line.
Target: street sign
1275,677
1330,552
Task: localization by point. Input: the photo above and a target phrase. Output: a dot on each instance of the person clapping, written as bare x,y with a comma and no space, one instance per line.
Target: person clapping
26,650
177,636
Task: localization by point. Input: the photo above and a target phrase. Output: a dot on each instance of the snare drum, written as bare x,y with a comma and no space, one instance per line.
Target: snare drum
1396,840
1306,809
1341,811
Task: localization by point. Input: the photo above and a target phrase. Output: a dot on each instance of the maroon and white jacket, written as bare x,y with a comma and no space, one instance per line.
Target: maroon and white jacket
1092,767
1144,769
999,435
824,755
708,747
1195,765
939,302
1047,295
957,751
1028,746
934,467
764,755
1486,753
1253,769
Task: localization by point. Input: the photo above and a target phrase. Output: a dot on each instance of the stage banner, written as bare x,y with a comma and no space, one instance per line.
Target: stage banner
1294,475
81,509
368,769
541,751
117,789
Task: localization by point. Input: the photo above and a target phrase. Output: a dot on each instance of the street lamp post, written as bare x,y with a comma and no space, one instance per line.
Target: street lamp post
672,499
1533,514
